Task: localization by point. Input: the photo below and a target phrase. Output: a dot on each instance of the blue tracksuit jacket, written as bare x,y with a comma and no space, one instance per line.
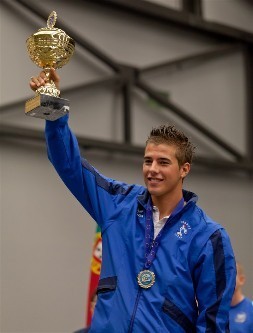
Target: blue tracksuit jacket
194,265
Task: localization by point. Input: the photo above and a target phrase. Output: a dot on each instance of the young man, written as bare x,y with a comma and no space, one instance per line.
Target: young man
166,266
241,311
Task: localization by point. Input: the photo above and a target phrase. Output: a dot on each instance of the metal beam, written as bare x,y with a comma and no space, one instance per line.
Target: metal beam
185,21
127,113
129,76
18,133
110,80
201,56
192,6
248,54
190,120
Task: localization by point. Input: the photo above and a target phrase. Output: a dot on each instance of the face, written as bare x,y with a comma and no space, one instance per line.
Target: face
162,174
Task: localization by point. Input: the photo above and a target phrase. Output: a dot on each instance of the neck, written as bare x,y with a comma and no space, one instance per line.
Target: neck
166,205
237,298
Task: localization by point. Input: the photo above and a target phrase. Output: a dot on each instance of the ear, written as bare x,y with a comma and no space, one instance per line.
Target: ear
185,169
241,279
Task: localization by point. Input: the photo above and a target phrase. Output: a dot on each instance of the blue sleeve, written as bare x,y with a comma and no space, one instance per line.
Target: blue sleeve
251,317
98,194
214,278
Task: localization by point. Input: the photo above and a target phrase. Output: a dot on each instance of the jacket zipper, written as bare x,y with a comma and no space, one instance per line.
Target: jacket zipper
139,294
134,312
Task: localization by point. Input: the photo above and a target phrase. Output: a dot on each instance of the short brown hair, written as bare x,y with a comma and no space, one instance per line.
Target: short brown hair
170,135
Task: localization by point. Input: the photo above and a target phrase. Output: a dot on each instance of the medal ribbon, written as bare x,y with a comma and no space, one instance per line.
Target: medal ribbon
151,246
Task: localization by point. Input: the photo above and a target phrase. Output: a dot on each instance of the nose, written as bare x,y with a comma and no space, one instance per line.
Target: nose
153,167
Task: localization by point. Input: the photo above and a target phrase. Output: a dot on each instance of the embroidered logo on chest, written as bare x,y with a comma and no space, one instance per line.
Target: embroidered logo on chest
240,317
183,230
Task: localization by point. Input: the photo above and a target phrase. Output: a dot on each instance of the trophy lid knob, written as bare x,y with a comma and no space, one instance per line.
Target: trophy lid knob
51,20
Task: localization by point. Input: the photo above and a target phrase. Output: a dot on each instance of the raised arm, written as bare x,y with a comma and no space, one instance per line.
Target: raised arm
93,190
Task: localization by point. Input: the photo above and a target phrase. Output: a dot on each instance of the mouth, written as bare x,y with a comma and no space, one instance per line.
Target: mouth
153,180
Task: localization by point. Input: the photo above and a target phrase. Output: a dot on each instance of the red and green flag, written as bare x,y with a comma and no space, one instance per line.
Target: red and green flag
95,270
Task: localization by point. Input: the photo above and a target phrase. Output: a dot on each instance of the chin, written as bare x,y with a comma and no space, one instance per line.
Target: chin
153,192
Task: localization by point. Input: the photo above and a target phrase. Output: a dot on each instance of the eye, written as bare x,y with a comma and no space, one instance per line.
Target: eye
163,162
147,162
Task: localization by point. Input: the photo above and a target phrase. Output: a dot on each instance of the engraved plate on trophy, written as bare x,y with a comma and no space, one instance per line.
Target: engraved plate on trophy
49,47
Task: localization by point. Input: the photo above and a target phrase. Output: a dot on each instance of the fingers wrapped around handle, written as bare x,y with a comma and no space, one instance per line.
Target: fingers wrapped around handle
43,77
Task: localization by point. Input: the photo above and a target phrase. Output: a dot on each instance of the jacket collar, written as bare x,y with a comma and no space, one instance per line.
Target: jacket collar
188,197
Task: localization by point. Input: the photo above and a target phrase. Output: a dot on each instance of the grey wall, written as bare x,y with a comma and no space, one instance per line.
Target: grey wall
46,236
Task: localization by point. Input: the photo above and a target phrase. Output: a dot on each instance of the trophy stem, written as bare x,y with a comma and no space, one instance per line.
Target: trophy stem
47,72
49,88
49,81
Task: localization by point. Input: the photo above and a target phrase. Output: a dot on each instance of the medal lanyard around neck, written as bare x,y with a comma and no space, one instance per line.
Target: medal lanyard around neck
151,246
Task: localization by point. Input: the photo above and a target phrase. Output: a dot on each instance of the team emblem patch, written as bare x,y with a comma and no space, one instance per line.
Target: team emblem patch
183,230
240,317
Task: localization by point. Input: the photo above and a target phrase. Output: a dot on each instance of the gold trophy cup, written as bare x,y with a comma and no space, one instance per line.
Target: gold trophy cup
49,47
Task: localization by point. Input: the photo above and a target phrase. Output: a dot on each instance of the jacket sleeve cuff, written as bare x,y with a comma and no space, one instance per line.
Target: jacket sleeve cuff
52,125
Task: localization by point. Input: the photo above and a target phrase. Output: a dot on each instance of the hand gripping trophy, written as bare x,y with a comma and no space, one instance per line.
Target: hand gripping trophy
49,47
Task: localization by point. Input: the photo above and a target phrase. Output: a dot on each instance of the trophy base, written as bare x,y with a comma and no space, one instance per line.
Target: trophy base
46,107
